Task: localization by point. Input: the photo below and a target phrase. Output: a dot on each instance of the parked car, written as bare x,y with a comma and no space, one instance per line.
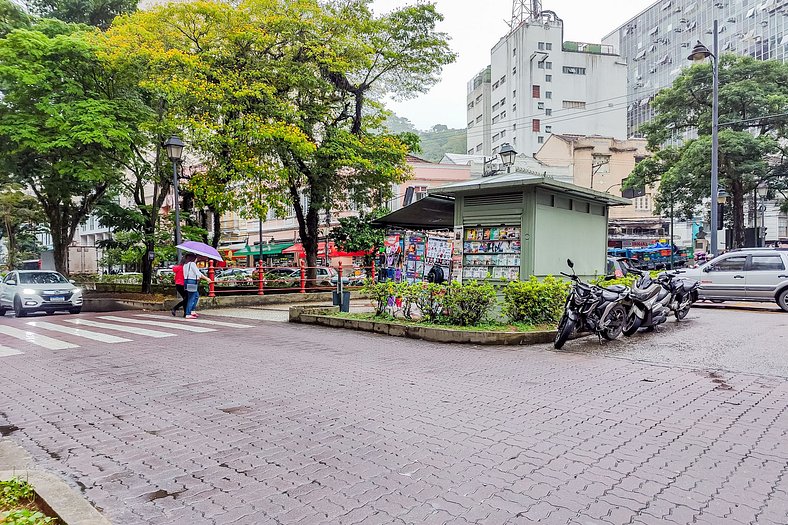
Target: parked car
290,277
27,291
241,277
751,274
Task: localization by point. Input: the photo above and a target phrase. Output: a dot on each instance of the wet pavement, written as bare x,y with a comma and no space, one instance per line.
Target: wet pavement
239,421
750,339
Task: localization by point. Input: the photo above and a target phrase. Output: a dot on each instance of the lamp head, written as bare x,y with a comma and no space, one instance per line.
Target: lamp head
507,154
763,190
174,146
699,53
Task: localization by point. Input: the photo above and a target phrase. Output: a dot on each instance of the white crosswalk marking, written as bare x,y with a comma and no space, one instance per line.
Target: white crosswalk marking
5,351
200,321
87,334
185,325
136,330
36,339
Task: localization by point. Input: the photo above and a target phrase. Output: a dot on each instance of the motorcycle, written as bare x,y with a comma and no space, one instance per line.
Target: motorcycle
651,301
591,309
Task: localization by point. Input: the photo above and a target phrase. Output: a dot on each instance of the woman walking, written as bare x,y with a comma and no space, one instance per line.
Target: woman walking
191,278
177,271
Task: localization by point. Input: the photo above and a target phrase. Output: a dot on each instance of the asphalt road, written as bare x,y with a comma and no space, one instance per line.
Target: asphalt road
750,339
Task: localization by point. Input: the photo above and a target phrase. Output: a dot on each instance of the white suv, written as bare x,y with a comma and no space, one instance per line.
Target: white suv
748,274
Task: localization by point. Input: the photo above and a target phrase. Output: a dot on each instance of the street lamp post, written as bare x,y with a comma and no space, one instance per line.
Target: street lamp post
174,146
763,192
508,156
699,53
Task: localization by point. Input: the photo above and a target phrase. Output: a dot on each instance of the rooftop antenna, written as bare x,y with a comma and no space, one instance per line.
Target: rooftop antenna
523,11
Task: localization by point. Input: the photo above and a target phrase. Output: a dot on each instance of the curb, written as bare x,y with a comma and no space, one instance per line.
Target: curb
321,316
67,504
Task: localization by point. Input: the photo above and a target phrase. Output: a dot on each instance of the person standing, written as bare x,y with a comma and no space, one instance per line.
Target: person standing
191,279
180,287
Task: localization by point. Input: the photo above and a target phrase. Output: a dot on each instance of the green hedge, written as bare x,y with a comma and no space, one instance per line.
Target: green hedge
471,303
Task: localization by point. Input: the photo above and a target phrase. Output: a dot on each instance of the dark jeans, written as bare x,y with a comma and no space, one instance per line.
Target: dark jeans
181,289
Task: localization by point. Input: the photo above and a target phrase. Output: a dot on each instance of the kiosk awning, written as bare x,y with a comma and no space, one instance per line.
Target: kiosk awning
433,212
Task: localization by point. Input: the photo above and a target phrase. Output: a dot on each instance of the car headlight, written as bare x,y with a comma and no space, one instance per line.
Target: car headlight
28,291
77,290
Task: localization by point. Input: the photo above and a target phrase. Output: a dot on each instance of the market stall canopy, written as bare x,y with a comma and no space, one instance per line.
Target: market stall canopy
298,248
274,248
510,181
434,212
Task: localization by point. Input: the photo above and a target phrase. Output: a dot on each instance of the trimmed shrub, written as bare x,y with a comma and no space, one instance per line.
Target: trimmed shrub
379,293
430,299
468,303
535,302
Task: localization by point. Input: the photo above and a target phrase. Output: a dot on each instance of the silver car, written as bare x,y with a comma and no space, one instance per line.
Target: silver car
27,291
750,274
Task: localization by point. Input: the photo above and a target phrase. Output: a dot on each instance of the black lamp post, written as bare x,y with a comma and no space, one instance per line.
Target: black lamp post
508,154
174,146
763,192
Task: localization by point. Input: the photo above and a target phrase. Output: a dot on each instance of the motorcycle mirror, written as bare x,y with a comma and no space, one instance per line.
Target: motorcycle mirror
570,263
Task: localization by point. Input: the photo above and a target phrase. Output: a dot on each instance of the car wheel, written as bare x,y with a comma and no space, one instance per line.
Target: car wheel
717,301
782,300
49,312
75,310
18,310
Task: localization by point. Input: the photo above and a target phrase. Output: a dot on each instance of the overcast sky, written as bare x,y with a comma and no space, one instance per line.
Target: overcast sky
476,25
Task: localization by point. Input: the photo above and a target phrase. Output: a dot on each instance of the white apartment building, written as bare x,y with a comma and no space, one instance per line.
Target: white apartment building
540,84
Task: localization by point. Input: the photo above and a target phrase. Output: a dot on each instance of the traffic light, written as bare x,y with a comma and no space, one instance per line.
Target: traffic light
720,216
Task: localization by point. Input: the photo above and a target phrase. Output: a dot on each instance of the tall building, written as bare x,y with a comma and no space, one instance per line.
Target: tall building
655,43
539,84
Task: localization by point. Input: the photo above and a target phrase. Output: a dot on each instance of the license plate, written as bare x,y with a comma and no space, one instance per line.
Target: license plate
57,299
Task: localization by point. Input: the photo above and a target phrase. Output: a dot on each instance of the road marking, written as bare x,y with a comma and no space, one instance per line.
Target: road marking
36,339
136,330
200,321
5,351
185,325
87,334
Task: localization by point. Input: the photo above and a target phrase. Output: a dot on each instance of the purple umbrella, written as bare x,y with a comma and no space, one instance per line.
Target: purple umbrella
200,248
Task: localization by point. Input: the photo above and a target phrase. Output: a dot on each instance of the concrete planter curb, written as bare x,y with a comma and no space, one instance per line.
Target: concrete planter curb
66,503
323,317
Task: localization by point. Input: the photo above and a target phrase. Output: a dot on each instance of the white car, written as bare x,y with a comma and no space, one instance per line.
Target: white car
28,291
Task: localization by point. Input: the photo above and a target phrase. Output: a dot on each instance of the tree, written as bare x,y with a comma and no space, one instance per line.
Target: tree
287,92
19,216
750,92
98,13
67,123
12,17
356,234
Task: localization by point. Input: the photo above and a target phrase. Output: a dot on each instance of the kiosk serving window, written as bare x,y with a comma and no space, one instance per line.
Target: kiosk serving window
491,253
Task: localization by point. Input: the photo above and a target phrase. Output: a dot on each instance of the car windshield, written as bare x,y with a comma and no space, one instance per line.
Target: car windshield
42,278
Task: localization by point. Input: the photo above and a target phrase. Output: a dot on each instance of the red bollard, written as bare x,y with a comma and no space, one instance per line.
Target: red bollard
303,279
339,279
260,279
211,290
373,271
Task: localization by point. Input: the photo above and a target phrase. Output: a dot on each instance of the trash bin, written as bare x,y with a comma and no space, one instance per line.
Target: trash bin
343,301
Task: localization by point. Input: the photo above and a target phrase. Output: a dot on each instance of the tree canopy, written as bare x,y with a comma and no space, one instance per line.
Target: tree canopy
751,93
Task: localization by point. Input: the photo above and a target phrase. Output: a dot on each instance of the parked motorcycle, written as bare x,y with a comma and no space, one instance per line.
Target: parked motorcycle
591,309
651,301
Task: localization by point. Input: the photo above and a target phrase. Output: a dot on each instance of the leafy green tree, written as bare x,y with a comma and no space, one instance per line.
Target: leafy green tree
288,92
19,216
356,234
750,91
98,13
67,123
12,17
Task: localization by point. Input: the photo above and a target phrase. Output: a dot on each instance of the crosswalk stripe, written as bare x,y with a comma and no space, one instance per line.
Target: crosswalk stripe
136,330
5,351
87,334
200,321
36,339
176,326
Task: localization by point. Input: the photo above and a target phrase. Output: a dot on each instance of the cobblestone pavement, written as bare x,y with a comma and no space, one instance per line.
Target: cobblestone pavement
294,424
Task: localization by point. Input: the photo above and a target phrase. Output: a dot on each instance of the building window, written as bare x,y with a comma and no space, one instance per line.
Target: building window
536,125
514,140
548,94
495,86
503,114
548,112
514,52
514,93
514,70
540,65
478,99
479,147
496,137
540,105
495,151
470,106
503,133
572,70
470,151
495,119
540,139
548,65
514,108
548,129
514,127
548,78
496,106
548,46
503,101
479,118
470,124
536,91
541,46
503,80
574,104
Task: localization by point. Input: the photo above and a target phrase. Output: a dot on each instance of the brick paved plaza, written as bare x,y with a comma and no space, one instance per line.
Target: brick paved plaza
292,424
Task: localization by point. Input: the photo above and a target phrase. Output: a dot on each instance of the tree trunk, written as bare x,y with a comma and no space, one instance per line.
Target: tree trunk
311,244
737,209
60,252
217,229
146,263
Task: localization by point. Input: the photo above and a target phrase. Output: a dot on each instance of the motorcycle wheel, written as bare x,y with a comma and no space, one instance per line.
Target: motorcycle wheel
565,329
632,325
617,317
682,312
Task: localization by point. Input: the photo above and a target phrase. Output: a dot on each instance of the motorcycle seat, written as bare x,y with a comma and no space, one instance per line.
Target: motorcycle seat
609,296
688,286
645,295
617,288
